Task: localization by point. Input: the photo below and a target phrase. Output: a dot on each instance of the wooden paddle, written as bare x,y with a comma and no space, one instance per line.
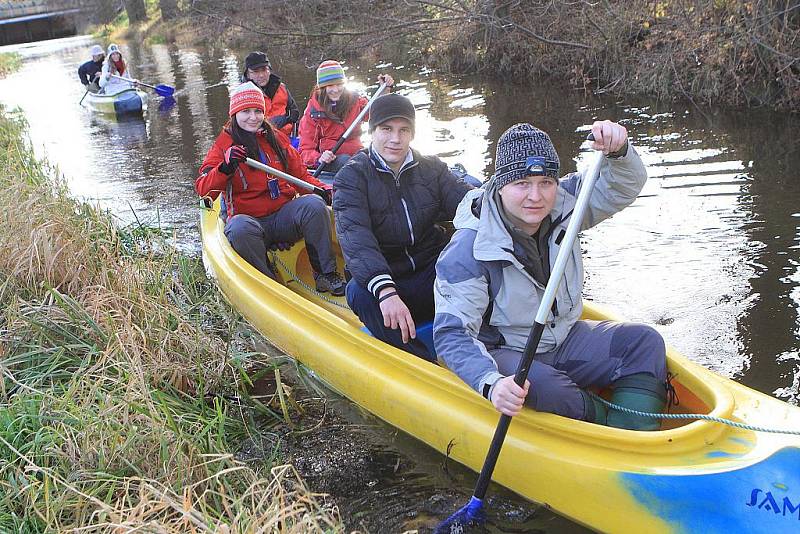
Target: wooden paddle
346,133
472,512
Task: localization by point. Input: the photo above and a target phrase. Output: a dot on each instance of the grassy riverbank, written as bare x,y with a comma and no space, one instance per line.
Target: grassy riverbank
124,398
727,52
9,62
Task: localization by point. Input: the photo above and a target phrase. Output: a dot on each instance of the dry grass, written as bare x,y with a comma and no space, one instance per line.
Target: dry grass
728,52
9,62
113,352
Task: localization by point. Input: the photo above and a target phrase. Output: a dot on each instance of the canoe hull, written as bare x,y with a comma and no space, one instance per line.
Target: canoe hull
127,102
608,479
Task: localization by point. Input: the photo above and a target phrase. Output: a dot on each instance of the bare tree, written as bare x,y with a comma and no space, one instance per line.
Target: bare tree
104,11
136,10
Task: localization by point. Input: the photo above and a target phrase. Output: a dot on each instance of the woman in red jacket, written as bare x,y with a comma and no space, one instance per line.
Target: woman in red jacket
262,210
331,109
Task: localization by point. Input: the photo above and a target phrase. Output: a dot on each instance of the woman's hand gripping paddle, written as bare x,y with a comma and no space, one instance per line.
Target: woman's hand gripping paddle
325,194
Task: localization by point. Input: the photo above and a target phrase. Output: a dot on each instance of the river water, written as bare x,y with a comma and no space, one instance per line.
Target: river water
709,253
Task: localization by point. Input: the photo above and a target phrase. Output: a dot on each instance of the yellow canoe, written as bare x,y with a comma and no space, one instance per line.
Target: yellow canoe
689,476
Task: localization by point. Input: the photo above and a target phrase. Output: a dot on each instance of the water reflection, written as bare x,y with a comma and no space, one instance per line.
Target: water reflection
710,252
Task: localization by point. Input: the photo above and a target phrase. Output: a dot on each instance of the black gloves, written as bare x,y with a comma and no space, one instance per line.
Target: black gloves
235,155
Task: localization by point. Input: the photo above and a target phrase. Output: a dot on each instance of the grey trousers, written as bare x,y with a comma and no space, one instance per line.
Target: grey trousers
594,354
304,217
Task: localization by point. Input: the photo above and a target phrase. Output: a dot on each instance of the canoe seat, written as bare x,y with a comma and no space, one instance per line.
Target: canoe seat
424,334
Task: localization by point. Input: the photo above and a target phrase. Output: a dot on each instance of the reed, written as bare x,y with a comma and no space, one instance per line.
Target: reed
117,356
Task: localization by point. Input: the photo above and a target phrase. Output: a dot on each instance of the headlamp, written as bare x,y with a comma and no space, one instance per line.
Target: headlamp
539,166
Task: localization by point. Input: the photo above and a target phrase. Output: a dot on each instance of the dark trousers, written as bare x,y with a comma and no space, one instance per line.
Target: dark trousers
304,217
594,354
416,290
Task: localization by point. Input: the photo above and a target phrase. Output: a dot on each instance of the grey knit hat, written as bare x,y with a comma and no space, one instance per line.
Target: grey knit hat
524,150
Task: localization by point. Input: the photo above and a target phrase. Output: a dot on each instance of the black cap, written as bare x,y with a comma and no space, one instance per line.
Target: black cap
391,106
255,60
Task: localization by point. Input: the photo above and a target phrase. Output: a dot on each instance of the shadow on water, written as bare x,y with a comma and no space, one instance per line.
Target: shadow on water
709,253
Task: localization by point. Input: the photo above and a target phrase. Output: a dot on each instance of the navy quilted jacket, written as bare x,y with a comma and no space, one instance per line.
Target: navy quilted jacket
386,224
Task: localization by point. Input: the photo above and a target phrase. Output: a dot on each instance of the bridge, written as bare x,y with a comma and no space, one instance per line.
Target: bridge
22,21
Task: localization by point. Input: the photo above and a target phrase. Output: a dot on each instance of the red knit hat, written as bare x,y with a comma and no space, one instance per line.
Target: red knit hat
246,96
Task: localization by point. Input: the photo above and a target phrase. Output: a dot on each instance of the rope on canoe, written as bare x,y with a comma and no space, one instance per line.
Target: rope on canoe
701,416
307,287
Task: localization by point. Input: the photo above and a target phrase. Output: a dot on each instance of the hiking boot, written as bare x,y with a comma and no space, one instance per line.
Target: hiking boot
330,283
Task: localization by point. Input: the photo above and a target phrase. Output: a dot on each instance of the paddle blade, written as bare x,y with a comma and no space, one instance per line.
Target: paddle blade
468,516
165,90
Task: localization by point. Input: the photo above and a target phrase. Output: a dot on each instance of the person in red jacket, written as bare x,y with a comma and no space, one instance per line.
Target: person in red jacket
331,109
261,210
281,110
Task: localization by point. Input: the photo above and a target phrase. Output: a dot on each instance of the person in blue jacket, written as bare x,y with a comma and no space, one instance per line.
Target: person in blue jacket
89,72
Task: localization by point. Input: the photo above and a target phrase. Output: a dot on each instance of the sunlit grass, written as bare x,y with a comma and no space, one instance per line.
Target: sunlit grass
9,62
116,356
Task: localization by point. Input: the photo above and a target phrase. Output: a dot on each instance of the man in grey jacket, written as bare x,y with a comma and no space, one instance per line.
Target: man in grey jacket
492,275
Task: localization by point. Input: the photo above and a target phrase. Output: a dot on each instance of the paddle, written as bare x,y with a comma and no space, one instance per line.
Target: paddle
472,513
346,133
160,89
84,96
289,178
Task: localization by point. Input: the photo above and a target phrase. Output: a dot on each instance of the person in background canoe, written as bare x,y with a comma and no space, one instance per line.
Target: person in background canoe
282,110
492,275
115,65
262,211
331,109
89,72
387,202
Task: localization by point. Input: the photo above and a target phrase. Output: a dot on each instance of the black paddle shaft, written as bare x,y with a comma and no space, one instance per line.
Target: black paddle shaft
505,420
335,149
538,327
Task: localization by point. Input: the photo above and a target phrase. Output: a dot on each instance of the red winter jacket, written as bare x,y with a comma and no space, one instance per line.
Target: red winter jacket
277,107
319,133
246,190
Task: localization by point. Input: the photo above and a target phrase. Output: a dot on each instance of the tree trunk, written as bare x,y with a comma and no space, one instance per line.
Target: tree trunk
105,11
169,9
136,10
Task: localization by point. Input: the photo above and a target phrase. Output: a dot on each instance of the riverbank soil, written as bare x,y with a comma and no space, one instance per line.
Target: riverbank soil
721,52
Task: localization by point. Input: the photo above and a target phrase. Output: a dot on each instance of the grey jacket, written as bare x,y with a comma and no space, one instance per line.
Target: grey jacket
484,297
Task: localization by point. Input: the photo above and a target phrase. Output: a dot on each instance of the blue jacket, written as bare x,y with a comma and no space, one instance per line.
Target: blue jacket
87,71
386,223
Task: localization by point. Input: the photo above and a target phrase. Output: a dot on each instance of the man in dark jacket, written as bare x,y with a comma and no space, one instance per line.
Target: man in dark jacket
387,201
89,72
282,111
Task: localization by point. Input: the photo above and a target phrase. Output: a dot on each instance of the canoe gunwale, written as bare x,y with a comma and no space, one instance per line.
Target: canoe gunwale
686,437
608,479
